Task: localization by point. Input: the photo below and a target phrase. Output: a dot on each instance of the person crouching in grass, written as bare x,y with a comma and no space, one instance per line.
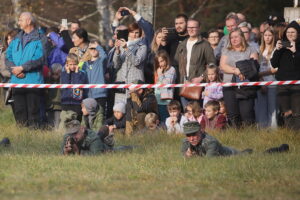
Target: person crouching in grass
212,118
175,122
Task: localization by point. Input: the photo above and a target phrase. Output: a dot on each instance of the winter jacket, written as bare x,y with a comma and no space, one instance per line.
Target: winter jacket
118,123
70,95
31,56
287,62
165,94
202,54
57,55
95,71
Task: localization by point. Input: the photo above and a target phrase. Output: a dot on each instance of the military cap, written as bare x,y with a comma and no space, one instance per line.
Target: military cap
191,127
72,126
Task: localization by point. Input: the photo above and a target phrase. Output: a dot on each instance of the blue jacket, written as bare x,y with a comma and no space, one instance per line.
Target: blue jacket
31,56
72,96
95,71
57,55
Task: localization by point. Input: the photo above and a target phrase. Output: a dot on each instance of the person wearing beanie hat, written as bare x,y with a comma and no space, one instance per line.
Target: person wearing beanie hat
118,120
199,143
93,119
120,107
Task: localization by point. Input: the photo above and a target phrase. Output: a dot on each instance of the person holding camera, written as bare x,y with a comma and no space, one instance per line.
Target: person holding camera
286,58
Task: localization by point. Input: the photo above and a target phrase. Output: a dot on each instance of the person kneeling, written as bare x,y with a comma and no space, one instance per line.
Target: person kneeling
199,143
81,141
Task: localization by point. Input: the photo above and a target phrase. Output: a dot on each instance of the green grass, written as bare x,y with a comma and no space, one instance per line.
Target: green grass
32,168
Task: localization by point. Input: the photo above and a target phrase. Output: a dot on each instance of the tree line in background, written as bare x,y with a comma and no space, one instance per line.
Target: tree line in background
96,15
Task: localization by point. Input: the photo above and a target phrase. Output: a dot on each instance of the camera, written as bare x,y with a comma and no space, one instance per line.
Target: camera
286,44
124,12
122,34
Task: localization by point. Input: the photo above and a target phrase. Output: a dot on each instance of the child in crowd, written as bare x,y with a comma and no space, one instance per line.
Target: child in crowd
193,111
175,122
71,98
95,70
91,114
211,92
118,120
152,121
212,118
164,74
53,105
222,107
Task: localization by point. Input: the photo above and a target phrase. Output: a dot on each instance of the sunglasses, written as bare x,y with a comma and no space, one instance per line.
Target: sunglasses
92,48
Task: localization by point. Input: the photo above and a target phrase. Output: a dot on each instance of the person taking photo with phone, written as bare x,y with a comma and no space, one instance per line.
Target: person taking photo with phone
286,58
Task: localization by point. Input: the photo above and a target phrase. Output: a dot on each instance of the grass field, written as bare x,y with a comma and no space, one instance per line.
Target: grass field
32,168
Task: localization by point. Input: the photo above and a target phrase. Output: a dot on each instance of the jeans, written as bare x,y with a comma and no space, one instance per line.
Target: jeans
266,107
239,111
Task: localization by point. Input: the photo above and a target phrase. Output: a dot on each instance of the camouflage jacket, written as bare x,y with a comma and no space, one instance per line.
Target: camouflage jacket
209,146
91,144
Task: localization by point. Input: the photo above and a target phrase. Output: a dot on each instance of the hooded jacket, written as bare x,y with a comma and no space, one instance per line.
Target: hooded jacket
93,121
31,56
287,62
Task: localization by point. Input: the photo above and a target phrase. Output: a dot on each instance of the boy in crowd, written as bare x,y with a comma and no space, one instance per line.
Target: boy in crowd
212,118
152,121
176,120
118,120
71,98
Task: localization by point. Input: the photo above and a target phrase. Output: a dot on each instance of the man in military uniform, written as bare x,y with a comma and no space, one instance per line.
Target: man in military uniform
81,141
199,143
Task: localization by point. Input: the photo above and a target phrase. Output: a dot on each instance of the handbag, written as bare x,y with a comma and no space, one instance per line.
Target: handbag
249,68
193,93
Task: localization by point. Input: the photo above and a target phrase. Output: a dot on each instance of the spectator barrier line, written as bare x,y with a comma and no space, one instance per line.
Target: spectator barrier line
136,86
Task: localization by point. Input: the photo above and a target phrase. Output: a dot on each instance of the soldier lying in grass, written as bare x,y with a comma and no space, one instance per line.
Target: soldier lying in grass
199,143
79,140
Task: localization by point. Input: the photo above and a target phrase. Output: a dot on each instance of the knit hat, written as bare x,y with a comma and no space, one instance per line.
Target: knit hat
91,105
120,107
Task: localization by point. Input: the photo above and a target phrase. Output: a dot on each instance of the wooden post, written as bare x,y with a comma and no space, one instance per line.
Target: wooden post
146,9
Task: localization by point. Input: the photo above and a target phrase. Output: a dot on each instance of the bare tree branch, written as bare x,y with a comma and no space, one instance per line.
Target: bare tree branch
199,9
88,16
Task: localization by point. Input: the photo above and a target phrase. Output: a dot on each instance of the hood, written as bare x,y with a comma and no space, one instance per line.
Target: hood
294,25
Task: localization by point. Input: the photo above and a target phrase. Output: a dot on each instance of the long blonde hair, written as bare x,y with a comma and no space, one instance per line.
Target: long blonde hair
244,42
263,43
154,45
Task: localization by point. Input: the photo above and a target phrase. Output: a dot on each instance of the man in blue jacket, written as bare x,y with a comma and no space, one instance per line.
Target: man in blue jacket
25,58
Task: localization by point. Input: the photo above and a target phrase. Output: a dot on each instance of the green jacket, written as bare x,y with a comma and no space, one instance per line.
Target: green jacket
94,122
209,146
202,54
91,144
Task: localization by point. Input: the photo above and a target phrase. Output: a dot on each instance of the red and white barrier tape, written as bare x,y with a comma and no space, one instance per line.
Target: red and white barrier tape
135,86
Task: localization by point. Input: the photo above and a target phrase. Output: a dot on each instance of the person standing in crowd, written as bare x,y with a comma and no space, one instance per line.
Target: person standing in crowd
66,34
158,43
95,70
81,42
266,104
25,57
57,55
232,22
212,92
213,38
286,58
246,29
175,37
240,108
52,97
71,98
4,71
129,59
193,54
164,74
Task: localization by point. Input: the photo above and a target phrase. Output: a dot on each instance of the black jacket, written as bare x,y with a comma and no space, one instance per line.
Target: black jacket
287,62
